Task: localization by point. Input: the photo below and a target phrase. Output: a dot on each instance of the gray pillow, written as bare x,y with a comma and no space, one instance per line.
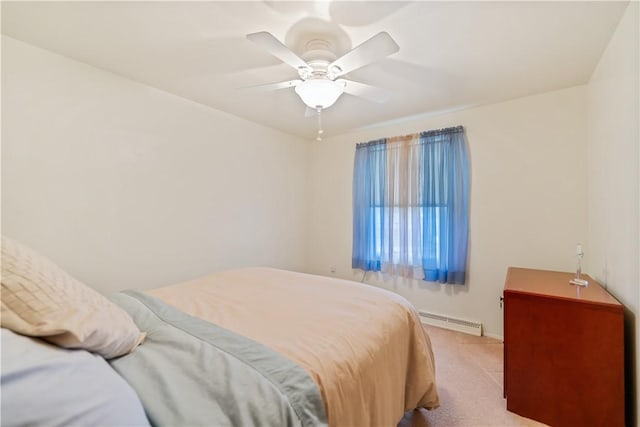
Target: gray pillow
47,385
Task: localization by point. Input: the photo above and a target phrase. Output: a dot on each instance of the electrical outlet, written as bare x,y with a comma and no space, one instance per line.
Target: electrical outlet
332,269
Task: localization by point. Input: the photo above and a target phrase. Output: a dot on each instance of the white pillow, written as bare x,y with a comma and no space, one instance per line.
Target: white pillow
40,299
44,385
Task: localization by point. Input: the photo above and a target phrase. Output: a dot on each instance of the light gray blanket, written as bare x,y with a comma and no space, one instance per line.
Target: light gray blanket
189,372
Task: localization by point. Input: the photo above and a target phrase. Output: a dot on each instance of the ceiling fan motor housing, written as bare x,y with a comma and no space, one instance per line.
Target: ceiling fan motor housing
318,54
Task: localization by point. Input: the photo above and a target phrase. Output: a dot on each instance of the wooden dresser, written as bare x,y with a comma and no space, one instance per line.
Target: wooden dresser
563,350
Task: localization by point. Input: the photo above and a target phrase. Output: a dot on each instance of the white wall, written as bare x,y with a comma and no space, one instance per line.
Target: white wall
128,186
528,198
613,186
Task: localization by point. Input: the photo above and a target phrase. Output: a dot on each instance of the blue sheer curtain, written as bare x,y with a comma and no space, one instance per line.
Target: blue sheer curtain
411,206
445,196
368,198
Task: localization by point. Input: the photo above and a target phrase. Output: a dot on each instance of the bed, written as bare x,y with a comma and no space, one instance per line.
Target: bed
256,346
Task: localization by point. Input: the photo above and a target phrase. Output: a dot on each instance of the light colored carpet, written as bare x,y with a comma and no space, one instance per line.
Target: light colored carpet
469,375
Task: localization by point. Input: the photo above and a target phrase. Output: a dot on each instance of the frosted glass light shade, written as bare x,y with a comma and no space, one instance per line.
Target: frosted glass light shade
321,93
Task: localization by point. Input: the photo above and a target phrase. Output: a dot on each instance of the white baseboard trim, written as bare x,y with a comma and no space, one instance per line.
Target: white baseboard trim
494,336
452,323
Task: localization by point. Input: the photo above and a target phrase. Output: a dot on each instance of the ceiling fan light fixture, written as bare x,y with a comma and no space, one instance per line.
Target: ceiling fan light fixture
321,93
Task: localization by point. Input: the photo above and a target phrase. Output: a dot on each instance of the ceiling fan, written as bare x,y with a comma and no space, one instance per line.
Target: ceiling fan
319,85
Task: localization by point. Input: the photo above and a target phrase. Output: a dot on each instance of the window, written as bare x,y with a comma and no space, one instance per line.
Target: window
415,216
410,205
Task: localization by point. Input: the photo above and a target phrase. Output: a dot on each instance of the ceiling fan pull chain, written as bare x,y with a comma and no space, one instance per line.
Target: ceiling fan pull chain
320,130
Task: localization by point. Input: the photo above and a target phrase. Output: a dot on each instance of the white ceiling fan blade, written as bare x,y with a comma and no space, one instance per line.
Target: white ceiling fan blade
368,92
272,86
277,49
377,47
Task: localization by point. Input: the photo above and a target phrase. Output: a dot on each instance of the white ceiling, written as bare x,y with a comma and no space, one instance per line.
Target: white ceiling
452,54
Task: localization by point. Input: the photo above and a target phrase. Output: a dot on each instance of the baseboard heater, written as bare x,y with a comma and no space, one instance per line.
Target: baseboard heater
460,325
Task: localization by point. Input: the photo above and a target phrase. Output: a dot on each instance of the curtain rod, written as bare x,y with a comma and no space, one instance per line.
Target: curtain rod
434,132
454,129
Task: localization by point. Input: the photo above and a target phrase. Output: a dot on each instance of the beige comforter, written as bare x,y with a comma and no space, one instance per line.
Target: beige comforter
364,346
